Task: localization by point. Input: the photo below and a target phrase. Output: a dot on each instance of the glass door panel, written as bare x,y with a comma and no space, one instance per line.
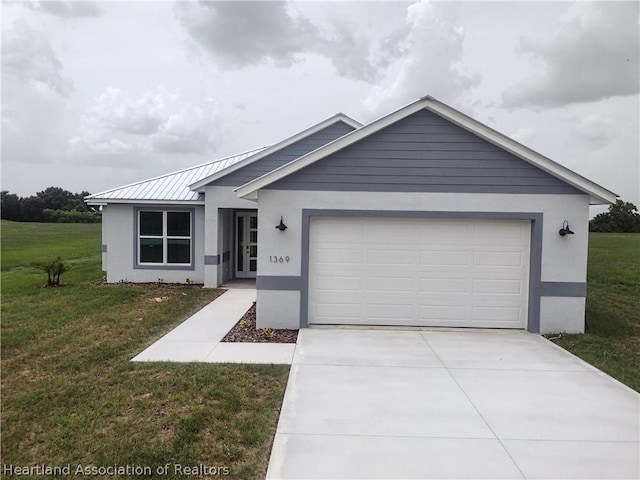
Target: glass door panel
246,244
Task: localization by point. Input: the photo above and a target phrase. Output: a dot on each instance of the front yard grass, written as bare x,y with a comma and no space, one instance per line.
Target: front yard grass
70,395
612,338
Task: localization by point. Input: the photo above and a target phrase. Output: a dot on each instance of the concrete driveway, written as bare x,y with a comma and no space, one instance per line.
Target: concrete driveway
450,404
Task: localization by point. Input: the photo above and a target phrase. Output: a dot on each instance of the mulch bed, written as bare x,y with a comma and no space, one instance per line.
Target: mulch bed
245,331
103,281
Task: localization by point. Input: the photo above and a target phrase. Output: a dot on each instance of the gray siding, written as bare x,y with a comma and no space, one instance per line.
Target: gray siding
424,153
286,155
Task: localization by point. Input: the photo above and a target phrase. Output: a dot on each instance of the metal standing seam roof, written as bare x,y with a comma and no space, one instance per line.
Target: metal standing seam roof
171,186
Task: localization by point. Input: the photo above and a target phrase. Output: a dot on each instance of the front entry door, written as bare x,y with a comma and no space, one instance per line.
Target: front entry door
246,244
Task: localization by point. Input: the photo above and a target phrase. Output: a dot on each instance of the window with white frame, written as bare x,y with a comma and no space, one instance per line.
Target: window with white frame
164,237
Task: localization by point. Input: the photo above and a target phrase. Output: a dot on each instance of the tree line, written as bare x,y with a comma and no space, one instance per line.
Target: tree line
57,205
622,217
53,204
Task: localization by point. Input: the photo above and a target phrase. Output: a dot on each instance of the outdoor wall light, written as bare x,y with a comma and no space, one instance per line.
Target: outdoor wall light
565,230
282,227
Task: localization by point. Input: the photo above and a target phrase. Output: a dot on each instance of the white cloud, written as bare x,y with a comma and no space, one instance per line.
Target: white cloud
237,34
242,34
28,58
121,125
193,129
350,52
593,56
142,116
428,60
35,95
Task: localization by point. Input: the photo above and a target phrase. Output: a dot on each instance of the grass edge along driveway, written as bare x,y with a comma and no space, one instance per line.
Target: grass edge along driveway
611,341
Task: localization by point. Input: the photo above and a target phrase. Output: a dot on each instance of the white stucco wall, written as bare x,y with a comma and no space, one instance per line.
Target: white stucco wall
563,259
119,236
278,309
562,314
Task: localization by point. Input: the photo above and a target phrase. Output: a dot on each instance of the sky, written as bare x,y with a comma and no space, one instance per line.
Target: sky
100,94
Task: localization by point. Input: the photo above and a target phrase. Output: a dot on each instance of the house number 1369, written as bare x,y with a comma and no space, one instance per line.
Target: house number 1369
276,259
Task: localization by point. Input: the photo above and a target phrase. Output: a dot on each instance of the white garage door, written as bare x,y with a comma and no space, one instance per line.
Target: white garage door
420,272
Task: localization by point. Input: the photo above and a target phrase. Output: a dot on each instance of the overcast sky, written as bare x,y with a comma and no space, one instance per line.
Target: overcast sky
100,94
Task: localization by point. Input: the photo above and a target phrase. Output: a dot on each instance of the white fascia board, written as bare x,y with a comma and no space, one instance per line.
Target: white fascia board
133,201
200,184
332,147
597,194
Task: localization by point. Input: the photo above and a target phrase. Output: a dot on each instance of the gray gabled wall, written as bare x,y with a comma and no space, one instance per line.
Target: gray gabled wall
424,153
286,155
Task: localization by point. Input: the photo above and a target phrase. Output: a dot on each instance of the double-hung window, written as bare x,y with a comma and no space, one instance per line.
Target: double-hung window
164,237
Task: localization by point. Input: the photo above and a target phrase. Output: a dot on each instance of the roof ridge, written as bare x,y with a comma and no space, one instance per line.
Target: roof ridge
250,151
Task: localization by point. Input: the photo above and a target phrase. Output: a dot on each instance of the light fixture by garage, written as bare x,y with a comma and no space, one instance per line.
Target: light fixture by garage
565,230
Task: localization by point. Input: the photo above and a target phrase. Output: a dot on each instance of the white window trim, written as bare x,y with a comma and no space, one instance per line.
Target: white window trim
165,238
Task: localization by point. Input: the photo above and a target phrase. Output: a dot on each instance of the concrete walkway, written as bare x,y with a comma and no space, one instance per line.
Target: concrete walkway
450,404
197,339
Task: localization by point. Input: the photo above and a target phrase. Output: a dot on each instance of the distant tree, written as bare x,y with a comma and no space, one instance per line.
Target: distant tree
56,198
622,217
53,204
11,206
32,208
77,203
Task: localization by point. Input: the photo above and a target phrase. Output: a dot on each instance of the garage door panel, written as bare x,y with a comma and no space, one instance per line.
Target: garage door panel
442,312
444,285
338,310
443,257
338,283
444,232
395,284
383,311
497,314
498,259
395,256
429,272
341,230
497,287
398,231
339,256
504,230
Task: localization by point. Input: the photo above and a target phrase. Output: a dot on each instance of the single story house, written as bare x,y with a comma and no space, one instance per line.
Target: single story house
424,217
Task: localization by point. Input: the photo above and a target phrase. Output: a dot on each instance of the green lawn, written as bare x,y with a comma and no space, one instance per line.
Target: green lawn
612,338
70,395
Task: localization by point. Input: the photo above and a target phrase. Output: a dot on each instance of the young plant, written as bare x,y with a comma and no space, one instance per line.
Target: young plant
267,332
54,269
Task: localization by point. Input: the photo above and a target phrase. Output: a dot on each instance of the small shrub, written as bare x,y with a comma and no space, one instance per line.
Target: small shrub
53,269
244,324
267,332
70,216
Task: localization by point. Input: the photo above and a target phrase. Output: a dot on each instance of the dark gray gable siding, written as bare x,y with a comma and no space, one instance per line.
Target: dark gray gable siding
286,155
424,153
